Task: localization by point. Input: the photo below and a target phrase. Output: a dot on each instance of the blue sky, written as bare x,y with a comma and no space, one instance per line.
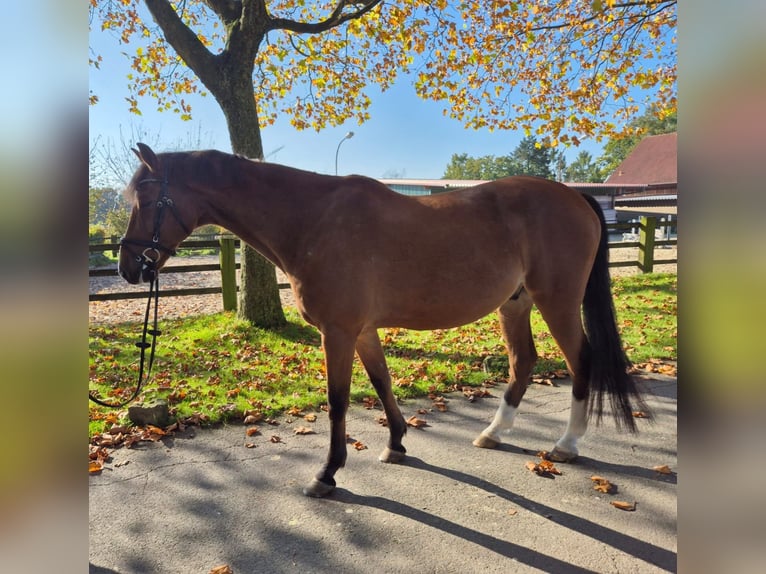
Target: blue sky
406,135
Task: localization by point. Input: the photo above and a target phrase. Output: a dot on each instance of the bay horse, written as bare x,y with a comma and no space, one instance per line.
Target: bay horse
360,256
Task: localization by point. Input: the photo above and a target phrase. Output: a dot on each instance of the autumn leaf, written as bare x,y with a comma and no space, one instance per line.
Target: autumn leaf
153,430
440,406
369,402
253,417
95,466
310,418
544,381
222,569
663,469
629,506
543,468
640,415
303,430
382,420
417,423
275,439
602,485
252,431
359,445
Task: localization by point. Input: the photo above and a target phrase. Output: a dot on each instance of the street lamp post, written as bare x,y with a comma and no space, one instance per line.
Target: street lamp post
348,136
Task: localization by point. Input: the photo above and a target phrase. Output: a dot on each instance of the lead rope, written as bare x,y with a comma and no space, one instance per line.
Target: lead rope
154,292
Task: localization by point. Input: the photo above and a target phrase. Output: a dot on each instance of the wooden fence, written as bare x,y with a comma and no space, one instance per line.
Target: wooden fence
226,245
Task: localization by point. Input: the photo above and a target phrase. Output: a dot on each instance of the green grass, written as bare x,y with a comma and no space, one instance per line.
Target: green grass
217,368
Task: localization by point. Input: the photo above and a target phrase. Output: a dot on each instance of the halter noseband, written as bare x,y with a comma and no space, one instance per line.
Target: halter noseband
163,202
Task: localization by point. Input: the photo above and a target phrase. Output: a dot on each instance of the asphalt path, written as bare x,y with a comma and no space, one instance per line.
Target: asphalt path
202,499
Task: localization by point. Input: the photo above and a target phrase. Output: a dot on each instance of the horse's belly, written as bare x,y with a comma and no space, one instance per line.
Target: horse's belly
437,310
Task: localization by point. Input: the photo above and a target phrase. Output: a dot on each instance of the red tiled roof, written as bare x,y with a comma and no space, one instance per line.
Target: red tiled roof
652,161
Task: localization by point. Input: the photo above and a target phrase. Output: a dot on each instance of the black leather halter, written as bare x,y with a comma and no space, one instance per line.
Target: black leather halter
164,203
149,268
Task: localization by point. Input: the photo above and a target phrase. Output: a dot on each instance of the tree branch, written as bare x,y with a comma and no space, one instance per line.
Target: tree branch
228,10
336,18
183,40
597,15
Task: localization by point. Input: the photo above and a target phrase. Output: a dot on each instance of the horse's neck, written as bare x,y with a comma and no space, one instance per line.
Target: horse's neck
271,209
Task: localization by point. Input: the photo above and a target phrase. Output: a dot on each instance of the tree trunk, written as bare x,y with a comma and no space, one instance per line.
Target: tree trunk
259,301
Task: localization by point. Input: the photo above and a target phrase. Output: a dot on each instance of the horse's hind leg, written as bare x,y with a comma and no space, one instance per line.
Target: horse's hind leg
370,352
517,333
565,323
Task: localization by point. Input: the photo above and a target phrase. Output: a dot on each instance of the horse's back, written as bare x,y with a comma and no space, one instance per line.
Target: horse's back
447,259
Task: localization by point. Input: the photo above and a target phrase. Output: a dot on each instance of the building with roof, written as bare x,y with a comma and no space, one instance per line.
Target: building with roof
645,183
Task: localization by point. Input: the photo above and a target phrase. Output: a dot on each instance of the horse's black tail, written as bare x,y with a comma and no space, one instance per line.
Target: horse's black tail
608,362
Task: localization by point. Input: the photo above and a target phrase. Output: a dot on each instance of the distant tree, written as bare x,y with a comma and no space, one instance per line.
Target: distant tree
112,161
531,158
108,211
651,123
558,164
584,169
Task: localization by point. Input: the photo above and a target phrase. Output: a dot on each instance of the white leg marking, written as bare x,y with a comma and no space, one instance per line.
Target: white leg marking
503,421
578,424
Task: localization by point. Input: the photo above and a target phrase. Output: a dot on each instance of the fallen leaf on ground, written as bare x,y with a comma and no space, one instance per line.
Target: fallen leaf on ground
663,469
358,445
441,407
415,422
369,402
275,438
249,445
252,431
304,430
602,485
222,569
382,420
95,466
640,415
543,468
629,506
310,418
544,381
251,419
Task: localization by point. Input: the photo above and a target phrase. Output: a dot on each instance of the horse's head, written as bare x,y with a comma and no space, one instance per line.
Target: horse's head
157,223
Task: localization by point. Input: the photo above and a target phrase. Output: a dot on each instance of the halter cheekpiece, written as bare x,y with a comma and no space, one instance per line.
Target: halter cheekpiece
164,203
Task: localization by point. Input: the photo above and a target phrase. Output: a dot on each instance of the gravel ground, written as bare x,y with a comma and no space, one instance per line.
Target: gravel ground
101,312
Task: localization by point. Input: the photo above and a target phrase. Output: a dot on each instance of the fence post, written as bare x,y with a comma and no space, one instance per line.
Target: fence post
646,244
228,273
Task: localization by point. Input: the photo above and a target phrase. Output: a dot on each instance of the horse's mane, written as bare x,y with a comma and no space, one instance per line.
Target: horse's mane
204,167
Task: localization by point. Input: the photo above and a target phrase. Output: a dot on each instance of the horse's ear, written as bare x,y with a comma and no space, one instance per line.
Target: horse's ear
147,157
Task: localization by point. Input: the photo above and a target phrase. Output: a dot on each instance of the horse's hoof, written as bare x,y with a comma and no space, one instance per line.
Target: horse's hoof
484,441
561,455
392,456
318,489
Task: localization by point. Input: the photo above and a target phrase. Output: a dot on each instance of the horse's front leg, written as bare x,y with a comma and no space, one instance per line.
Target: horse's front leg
517,333
338,346
370,352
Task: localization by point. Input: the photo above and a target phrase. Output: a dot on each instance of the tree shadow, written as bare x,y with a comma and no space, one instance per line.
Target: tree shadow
508,549
660,557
